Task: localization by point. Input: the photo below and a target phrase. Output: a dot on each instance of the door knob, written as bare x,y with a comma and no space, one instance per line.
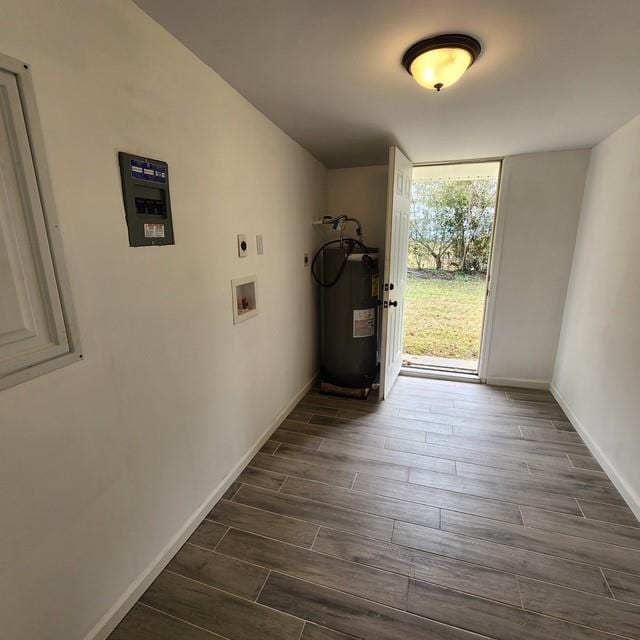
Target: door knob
393,303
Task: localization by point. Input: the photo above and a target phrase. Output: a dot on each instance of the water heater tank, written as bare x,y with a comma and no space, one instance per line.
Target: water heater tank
349,317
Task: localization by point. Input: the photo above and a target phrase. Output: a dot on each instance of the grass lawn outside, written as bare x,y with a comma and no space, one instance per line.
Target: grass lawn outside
443,317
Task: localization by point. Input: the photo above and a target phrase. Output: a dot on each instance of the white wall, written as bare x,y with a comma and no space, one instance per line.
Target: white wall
538,217
598,363
361,192
538,212
103,462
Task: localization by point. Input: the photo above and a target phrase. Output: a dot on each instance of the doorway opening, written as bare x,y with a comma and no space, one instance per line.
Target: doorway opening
451,227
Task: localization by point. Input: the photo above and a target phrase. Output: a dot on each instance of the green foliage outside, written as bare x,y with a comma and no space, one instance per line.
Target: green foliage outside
443,317
449,244
450,224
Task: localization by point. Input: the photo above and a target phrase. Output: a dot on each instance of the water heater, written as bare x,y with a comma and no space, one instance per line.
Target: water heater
349,294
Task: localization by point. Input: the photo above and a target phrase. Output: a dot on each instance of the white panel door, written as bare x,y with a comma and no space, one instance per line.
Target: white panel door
395,267
32,327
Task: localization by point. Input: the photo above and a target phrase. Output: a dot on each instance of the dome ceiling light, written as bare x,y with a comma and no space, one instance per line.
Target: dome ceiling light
440,61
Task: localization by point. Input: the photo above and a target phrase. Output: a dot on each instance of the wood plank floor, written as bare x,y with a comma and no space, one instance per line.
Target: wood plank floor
451,511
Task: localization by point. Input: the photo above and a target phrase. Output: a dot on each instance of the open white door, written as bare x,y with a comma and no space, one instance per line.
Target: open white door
395,268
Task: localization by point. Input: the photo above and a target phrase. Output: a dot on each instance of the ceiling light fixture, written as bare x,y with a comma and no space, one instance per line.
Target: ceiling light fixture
440,61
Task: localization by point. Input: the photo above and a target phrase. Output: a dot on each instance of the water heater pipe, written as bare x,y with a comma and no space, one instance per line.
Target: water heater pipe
338,223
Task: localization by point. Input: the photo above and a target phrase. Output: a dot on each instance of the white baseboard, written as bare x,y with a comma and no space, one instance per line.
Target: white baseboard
626,491
525,383
118,611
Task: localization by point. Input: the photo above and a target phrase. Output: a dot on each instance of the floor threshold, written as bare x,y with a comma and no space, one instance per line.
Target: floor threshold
440,374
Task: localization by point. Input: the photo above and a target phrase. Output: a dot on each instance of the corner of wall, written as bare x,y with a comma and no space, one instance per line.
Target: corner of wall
631,497
597,350
117,612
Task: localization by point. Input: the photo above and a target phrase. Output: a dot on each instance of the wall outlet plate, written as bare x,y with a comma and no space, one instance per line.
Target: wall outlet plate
243,247
259,245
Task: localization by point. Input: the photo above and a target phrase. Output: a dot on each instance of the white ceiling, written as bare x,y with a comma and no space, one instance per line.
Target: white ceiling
554,74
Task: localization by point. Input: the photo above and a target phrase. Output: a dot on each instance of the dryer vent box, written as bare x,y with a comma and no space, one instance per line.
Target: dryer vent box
147,205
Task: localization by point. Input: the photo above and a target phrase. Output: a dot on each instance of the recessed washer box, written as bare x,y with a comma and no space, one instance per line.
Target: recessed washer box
244,298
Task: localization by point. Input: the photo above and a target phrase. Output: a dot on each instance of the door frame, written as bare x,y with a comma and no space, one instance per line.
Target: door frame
497,234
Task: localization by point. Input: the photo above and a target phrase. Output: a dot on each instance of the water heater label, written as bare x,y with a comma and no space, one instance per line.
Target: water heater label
375,285
364,323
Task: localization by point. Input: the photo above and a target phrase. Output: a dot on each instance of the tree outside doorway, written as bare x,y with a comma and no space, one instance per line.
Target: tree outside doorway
450,225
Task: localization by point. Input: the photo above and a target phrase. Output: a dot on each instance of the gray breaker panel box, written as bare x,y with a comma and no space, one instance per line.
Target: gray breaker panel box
147,205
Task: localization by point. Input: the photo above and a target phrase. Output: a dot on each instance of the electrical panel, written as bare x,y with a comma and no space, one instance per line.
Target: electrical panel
147,205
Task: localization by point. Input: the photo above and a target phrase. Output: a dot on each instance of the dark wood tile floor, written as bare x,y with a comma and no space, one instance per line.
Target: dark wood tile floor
451,511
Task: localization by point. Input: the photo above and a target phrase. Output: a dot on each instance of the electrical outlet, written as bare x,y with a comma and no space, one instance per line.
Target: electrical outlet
243,247
259,245
306,259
